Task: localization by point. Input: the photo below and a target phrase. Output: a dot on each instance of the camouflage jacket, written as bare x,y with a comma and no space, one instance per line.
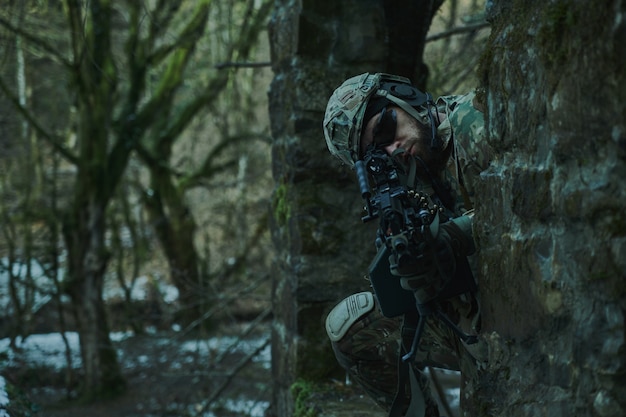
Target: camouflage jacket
464,125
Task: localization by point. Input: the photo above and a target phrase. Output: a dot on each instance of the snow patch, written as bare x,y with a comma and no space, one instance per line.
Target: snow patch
4,398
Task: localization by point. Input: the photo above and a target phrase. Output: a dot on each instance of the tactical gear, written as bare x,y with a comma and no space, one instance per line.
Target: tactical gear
348,106
369,352
346,313
458,234
385,129
442,271
370,347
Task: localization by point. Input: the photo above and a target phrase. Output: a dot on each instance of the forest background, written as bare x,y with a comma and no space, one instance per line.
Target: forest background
136,159
136,175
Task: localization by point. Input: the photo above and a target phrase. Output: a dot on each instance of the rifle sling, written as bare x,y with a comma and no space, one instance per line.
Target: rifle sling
417,405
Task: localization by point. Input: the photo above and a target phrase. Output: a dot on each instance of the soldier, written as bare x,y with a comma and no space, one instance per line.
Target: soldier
442,141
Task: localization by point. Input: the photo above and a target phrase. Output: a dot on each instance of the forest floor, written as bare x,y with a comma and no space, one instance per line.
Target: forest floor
169,375
166,375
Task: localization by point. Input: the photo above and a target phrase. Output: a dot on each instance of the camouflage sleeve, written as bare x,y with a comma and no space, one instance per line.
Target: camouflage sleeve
471,152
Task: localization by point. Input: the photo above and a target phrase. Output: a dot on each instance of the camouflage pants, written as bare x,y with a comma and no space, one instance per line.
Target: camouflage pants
369,351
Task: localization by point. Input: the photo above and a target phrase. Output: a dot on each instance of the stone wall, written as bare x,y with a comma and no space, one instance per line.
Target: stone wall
322,248
551,222
315,209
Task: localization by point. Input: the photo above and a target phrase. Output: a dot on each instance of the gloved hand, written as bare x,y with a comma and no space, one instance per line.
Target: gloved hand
435,264
458,234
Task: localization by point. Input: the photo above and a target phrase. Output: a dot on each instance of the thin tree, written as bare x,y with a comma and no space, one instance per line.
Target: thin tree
165,199
112,51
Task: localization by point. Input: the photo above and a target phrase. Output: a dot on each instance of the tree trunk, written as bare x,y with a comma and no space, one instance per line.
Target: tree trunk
84,232
550,211
175,231
100,165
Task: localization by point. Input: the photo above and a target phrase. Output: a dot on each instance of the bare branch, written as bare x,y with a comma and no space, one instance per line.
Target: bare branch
241,48
188,37
34,40
161,17
209,168
54,141
251,327
224,65
235,370
173,77
222,302
457,31
252,25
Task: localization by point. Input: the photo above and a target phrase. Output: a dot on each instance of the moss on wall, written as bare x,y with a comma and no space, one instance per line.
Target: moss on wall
550,231
303,392
281,204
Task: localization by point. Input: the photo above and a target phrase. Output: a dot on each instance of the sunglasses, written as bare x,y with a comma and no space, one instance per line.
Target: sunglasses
385,129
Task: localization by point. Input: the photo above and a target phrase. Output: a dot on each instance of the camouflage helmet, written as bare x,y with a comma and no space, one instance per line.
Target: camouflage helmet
346,109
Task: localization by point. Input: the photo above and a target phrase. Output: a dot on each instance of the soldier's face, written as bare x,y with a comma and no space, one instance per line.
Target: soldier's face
393,129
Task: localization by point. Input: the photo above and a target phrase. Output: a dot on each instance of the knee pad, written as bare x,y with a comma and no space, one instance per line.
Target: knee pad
346,313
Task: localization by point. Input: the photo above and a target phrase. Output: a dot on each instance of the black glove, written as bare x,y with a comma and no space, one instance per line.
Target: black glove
435,264
457,233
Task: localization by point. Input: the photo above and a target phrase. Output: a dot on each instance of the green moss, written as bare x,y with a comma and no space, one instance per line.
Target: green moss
501,40
559,19
281,205
558,25
302,392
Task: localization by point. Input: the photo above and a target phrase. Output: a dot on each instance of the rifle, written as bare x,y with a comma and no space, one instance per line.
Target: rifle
409,275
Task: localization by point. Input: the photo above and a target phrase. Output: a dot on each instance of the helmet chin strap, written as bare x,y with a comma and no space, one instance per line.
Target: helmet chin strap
434,140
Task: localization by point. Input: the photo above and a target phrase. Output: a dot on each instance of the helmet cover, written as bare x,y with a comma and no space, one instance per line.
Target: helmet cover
346,109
